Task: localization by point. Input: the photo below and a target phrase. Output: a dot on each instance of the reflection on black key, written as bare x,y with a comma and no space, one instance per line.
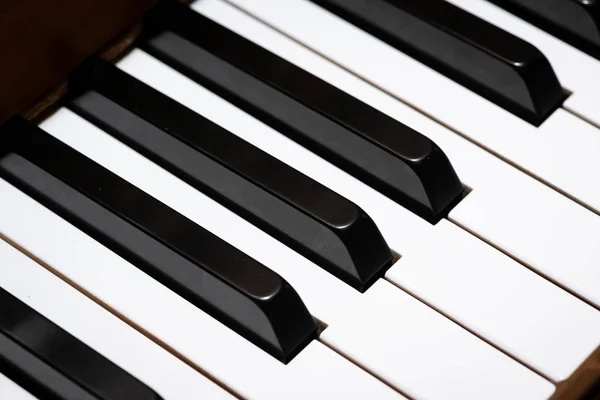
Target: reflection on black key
49,363
575,21
208,272
298,211
380,151
491,62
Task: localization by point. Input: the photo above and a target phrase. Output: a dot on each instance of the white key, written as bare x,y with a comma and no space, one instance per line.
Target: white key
540,228
577,71
500,300
100,330
537,150
583,104
238,364
440,381
405,232
12,391
329,299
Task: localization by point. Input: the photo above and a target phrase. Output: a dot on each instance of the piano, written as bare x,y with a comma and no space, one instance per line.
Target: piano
299,199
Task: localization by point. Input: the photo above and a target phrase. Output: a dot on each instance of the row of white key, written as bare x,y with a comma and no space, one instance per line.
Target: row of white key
506,207
81,317
577,71
539,150
443,344
407,344
477,278
396,354
533,223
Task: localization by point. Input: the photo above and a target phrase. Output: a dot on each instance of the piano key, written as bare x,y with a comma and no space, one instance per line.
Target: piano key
10,390
51,363
204,342
407,233
386,361
576,70
532,149
262,307
97,328
517,310
493,63
331,301
535,221
574,21
307,216
378,150
354,341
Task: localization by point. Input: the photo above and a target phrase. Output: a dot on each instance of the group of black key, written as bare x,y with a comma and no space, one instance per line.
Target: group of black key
383,153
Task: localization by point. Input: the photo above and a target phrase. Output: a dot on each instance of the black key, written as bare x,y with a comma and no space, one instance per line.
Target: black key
385,154
489,61
574,21
49,363
290,206
194,263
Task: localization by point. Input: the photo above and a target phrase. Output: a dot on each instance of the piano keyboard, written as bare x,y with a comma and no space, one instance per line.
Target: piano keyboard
325,199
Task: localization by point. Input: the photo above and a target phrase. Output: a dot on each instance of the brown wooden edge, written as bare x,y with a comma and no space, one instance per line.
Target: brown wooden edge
42,41
584,383
47,103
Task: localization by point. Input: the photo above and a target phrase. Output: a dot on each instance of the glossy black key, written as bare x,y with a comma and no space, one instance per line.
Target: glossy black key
325,227
574,21
49,363
493,63
385,154
194,263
